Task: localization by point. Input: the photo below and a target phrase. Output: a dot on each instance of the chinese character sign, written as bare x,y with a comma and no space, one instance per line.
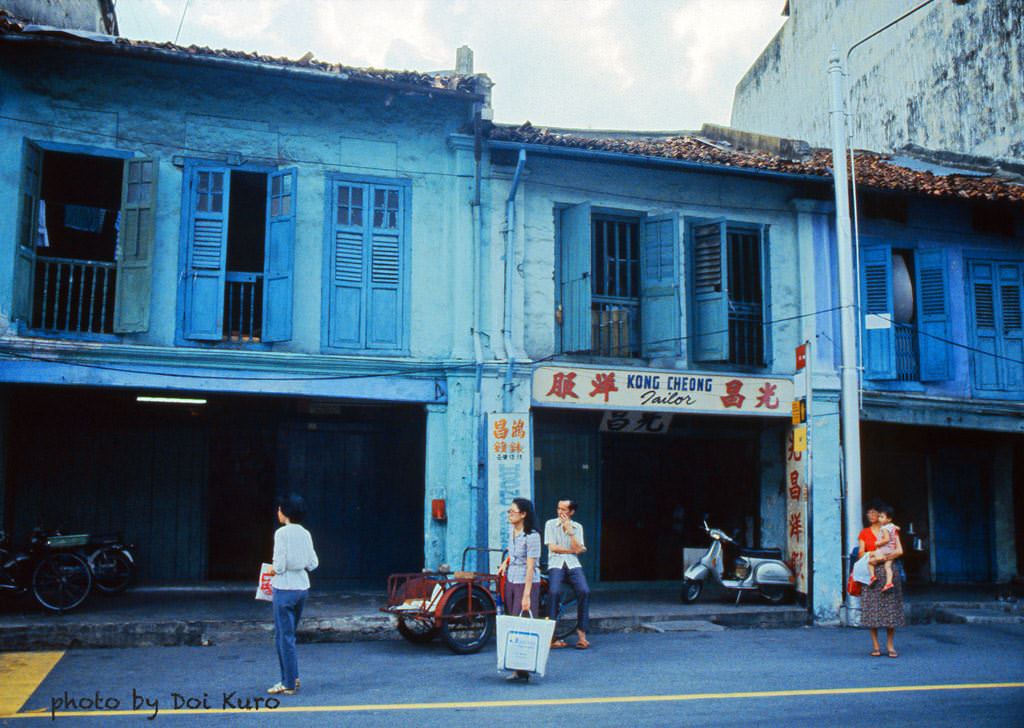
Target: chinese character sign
509,465
797,494
648,390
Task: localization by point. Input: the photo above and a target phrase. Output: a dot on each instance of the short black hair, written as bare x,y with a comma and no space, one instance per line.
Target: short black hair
293,506
887,510
570,501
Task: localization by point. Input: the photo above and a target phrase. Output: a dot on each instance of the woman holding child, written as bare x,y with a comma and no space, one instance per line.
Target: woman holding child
882,599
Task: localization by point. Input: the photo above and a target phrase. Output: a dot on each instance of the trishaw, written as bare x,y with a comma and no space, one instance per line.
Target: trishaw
462,606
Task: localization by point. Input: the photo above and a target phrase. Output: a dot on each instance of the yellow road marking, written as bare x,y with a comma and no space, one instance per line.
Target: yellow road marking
20,674
541,702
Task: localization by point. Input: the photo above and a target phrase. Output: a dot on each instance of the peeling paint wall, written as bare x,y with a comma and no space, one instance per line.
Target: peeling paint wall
949,77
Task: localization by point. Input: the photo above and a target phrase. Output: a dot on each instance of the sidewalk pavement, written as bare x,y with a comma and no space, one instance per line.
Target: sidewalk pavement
227,613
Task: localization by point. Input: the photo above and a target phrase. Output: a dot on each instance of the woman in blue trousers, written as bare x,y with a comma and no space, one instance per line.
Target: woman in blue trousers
294,558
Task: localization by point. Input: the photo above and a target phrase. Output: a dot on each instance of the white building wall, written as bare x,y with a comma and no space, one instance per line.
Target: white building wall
949,77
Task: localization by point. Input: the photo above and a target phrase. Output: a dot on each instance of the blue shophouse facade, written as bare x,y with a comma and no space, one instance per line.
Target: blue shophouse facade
284,246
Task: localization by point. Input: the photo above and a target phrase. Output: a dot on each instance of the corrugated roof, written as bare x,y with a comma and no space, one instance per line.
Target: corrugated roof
12,25
874,170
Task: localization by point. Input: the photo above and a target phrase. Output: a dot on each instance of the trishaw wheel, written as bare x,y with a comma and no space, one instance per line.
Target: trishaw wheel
61,581
463,626
417,630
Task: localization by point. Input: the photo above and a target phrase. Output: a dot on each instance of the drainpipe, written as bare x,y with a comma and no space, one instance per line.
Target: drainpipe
510,222
479,538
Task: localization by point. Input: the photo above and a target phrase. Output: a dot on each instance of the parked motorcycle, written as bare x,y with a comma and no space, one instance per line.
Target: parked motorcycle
761,570
111,561
58,577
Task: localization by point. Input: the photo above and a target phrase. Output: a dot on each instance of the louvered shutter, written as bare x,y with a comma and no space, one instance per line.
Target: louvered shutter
710,292
25,256
877,327
278,256
384,290
135,240
349,236
659,270
574,279
985,330
1012,325
209,195
932,314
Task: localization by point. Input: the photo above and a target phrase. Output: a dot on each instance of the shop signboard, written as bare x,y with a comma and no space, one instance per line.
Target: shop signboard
646,390
798,472
509,465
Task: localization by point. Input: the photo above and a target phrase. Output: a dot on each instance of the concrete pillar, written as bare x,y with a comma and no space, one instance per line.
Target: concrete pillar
1005,556
773,492
436,476
5,434
826,512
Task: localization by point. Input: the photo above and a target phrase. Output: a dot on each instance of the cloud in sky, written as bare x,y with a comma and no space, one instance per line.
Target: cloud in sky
601,64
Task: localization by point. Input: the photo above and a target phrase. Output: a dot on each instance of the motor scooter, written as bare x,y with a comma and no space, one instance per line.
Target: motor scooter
761,570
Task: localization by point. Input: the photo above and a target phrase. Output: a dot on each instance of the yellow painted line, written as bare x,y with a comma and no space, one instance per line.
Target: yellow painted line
43,713
20,674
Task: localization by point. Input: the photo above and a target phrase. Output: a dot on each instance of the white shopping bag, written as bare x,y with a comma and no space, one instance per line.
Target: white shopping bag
862,570
264,592
524,643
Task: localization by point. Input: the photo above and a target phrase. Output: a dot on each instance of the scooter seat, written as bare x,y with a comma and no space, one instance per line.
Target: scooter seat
762,553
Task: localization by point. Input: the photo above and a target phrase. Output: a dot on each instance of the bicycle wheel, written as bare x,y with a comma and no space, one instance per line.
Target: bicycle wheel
61,581
112,570
465,630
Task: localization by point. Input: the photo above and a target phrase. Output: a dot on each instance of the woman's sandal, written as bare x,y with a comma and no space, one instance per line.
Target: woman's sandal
876,653
559,644
582,644
887,587
893,654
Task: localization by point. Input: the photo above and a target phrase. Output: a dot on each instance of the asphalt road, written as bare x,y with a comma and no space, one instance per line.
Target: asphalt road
947,675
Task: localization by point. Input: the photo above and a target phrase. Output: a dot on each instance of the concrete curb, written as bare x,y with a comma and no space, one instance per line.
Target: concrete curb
356,628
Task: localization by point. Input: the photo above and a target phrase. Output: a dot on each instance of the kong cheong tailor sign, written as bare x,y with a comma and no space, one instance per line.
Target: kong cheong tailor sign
661,391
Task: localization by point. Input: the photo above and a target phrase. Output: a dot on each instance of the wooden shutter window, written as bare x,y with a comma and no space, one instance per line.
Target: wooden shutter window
1010,300
135,244
935,362
984,306
707,259
878,330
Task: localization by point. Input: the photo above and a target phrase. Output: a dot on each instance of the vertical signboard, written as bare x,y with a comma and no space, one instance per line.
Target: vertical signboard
798,472
509,468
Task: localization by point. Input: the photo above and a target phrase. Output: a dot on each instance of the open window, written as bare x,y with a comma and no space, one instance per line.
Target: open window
238,269
904,314
618,283
85,245
730,285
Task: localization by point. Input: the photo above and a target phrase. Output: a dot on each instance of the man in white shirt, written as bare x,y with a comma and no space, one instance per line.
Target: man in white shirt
564,538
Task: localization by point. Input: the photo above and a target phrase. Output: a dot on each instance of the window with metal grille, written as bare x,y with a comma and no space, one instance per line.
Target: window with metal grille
615,303
746,298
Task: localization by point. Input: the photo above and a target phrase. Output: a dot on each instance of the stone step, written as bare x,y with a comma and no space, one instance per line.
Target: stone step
978,615
681,625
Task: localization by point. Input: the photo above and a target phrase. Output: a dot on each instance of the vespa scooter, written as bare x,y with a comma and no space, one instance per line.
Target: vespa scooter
761,570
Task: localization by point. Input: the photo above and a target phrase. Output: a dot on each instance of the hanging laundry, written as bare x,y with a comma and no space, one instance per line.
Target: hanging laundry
42,235
84,218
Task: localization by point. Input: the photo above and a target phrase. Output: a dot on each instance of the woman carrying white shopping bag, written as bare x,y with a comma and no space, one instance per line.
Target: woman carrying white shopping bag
522,589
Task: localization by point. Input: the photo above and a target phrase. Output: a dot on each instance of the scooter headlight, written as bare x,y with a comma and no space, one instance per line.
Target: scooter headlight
742,568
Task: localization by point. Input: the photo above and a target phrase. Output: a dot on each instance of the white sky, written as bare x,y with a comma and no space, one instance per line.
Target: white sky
597,64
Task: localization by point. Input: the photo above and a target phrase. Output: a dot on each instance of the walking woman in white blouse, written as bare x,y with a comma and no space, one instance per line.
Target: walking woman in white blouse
294,558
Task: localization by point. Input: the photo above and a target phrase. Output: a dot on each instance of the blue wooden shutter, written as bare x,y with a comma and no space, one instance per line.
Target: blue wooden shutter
932,314
25,256
986,328
877,327
349,235
278,256
1011,283
659,286
384,292
135,240
209,195
710,292
577,249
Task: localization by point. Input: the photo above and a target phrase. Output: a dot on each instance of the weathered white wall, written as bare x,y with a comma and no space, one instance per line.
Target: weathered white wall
948,77
81,14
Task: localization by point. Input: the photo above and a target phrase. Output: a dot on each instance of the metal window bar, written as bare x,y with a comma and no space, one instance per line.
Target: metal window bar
74,296
243,307
907,357
746,325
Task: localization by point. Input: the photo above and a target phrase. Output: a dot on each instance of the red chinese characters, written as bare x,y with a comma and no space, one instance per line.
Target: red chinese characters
766,396
732,396
500,429
563,385
796,525
794,485
603,384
